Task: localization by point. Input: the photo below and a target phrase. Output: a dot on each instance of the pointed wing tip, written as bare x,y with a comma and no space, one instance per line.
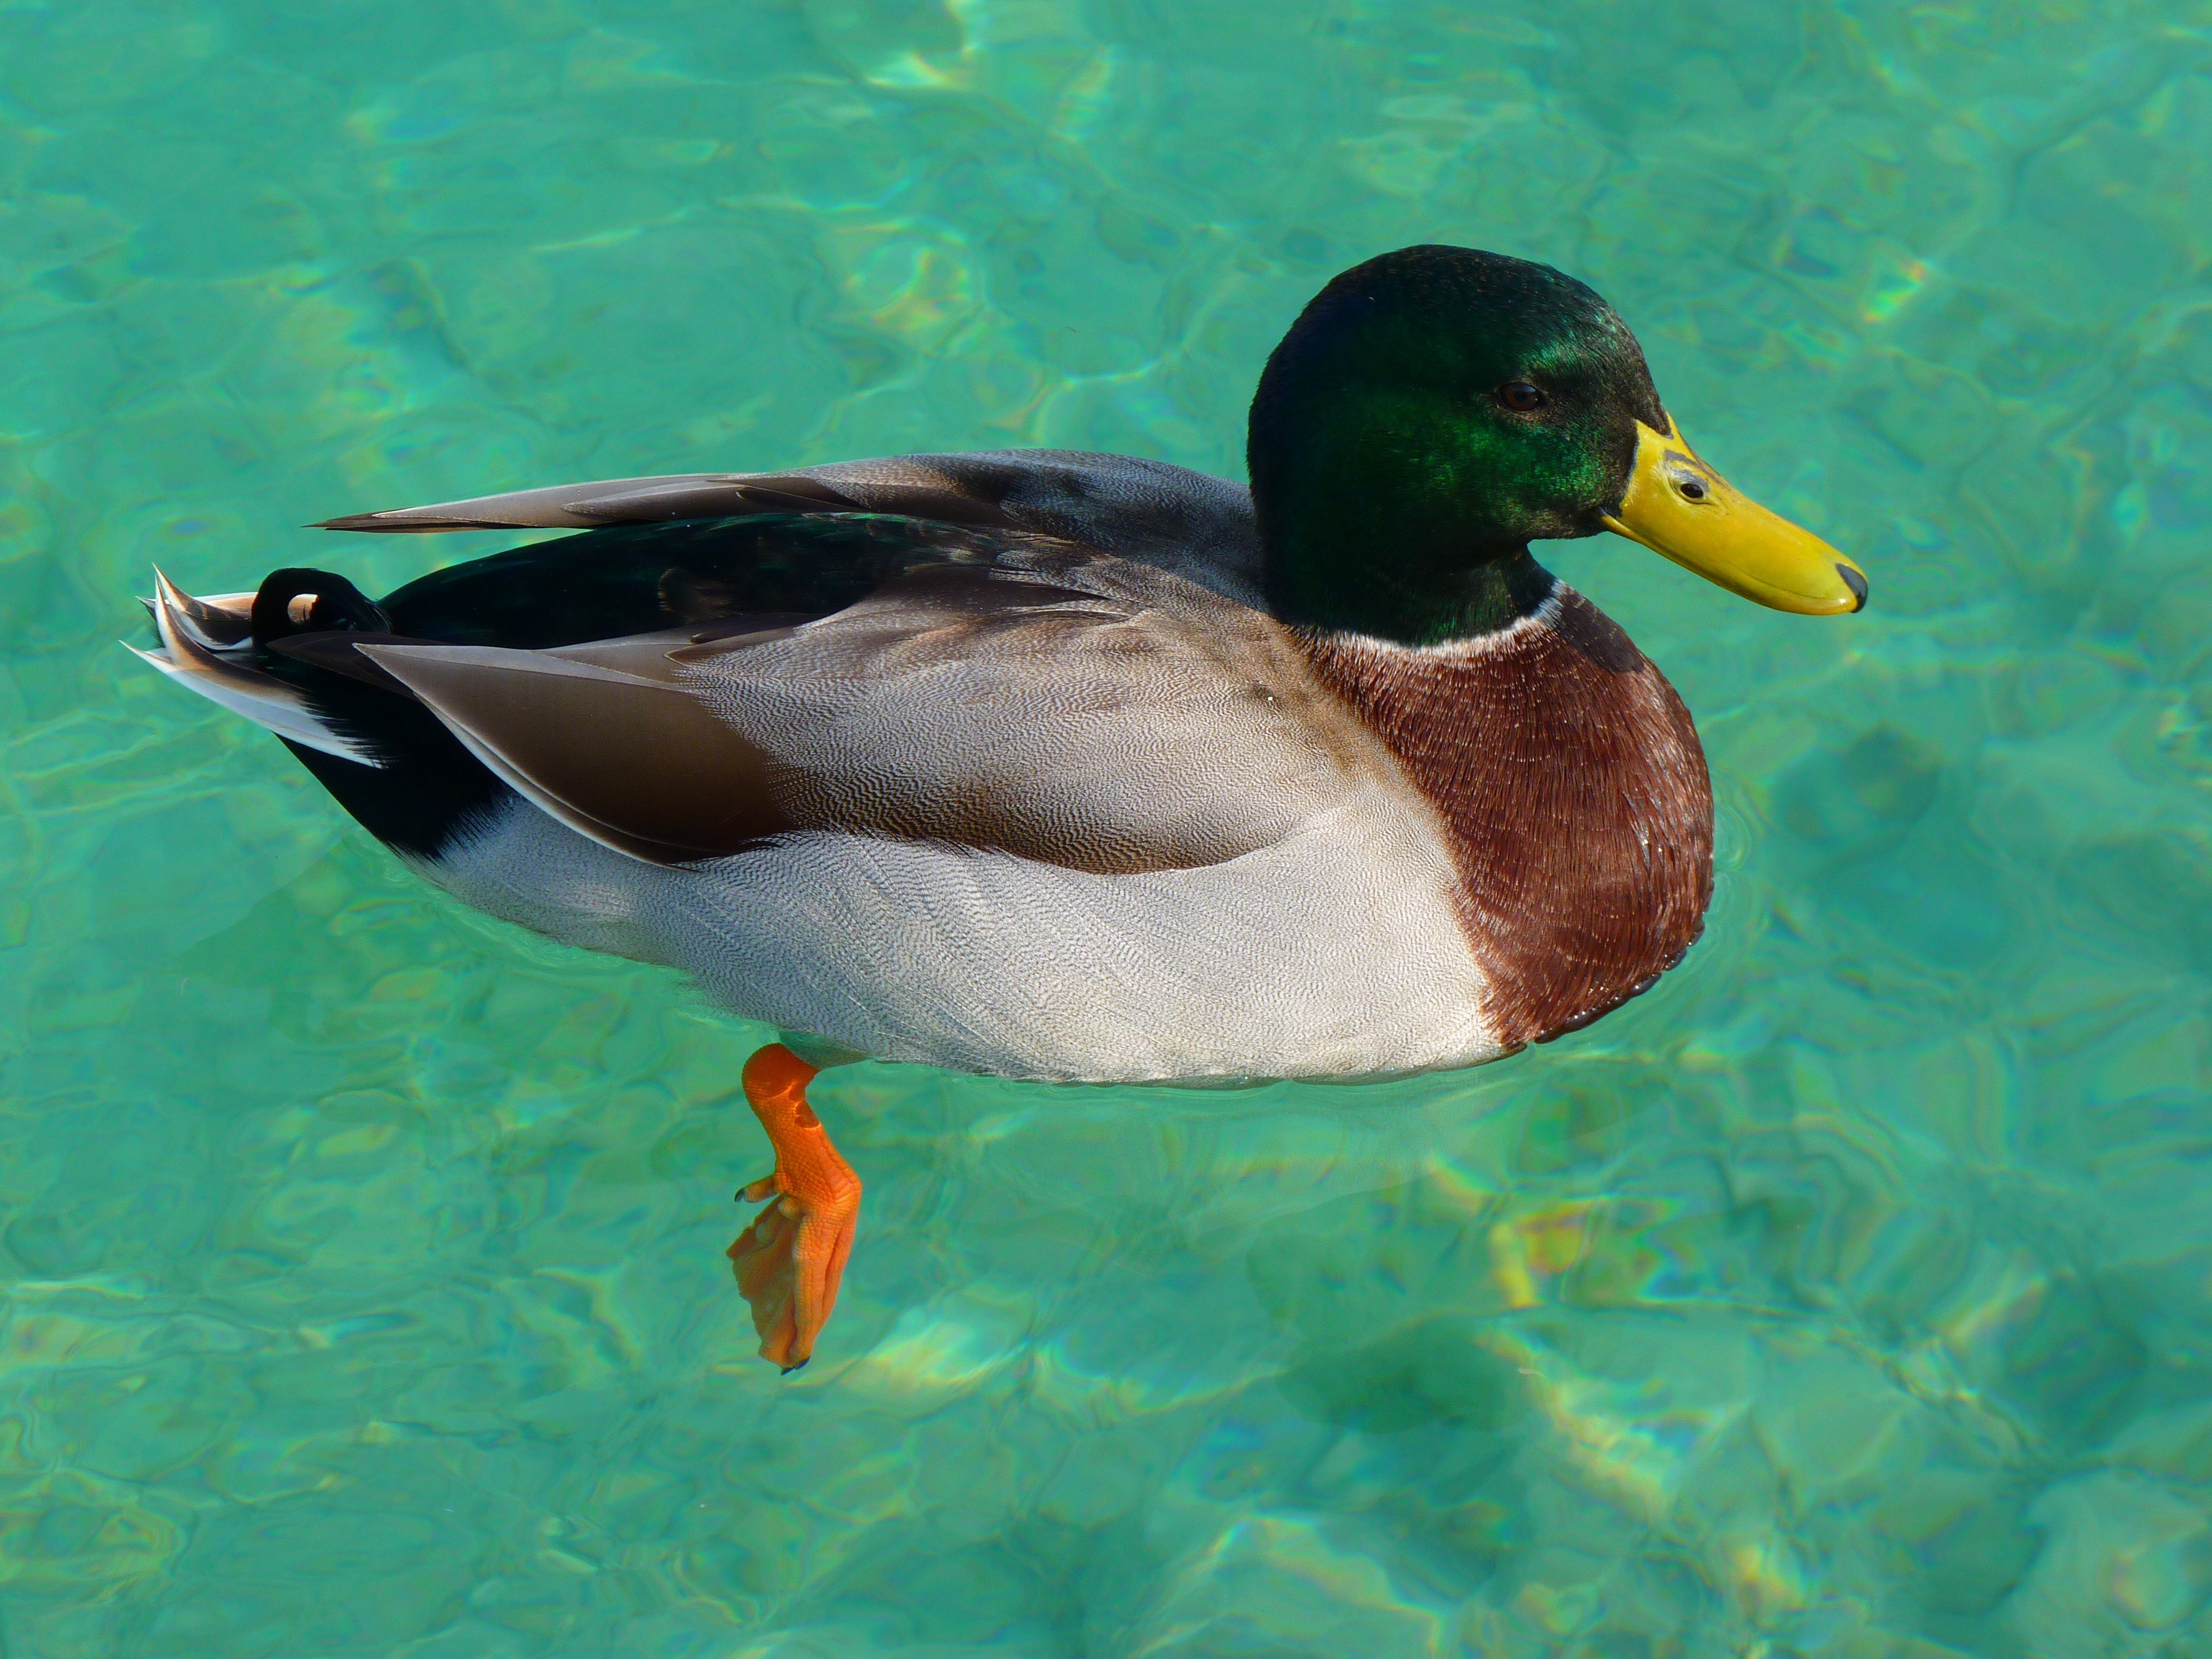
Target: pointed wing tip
403,523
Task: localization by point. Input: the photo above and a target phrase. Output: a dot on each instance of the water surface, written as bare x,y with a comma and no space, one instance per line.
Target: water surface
1846,1295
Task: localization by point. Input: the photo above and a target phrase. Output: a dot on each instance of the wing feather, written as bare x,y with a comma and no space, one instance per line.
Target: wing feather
1091,714
1195,525
636,764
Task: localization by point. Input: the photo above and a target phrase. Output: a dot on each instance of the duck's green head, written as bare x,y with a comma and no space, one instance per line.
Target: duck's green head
1436,410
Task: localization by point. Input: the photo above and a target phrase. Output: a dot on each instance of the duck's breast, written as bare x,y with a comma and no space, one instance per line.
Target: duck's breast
1568,784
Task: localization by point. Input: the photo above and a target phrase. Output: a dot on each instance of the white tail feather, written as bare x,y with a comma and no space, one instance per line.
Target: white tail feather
224,622
188,658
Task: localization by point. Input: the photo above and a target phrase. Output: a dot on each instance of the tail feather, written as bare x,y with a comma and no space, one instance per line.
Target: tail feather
200,640
223,622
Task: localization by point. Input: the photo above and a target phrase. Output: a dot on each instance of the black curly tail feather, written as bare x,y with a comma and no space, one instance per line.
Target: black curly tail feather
755,572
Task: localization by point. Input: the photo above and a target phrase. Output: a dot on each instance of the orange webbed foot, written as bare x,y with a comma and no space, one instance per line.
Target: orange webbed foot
790,1262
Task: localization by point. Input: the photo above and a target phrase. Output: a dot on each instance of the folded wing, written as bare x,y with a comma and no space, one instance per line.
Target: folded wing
1198,527
1077,709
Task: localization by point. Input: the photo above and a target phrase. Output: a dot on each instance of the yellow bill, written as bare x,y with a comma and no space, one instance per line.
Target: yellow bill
1678,506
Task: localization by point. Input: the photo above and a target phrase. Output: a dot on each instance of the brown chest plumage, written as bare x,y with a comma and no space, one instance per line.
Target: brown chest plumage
1575,796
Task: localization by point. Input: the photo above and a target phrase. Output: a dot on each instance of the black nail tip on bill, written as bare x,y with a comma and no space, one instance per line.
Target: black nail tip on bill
1857,583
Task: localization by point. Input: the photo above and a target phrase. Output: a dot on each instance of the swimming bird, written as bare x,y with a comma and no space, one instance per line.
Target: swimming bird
1061,765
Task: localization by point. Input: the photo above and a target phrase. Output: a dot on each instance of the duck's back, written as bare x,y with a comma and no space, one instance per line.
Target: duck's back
1194,525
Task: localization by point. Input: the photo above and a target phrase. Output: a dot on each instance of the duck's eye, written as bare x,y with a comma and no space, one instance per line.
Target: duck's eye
1520,396
1690,484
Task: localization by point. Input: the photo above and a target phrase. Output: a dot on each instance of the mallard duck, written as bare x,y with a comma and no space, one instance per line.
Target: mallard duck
1072,765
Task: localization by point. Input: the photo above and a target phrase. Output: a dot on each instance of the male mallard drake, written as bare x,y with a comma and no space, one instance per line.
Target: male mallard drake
1066,765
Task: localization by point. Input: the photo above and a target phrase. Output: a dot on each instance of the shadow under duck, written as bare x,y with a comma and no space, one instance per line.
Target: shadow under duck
1062,765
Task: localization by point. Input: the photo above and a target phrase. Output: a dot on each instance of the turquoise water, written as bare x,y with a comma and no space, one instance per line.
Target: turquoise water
1849,1294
